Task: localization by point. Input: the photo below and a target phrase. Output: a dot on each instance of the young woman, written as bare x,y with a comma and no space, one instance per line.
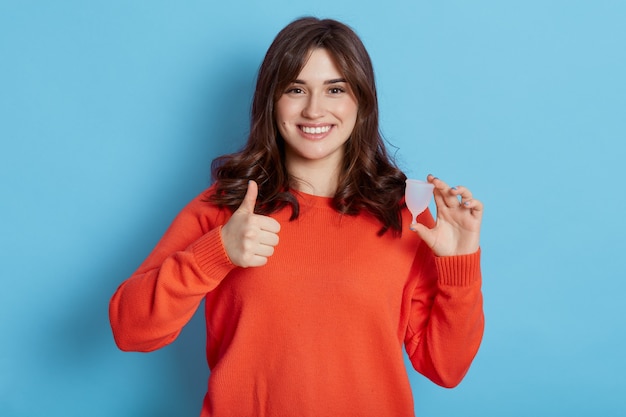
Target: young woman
302,252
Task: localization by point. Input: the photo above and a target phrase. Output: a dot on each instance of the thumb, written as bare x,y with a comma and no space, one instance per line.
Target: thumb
249,200
424,233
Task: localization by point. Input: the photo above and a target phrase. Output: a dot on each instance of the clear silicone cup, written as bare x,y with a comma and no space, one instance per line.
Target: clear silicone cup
418,195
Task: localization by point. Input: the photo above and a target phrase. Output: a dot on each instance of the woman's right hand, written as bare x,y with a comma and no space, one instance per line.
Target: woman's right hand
249,238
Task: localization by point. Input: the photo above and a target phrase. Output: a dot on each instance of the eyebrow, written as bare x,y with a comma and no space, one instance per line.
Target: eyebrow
327,82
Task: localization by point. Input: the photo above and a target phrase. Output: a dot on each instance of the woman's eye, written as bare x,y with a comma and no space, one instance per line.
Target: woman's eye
294,90
336,90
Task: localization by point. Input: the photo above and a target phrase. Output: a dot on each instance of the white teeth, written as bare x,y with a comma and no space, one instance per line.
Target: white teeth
315,130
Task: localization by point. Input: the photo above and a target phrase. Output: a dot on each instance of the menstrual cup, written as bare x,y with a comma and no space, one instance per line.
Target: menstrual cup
418,195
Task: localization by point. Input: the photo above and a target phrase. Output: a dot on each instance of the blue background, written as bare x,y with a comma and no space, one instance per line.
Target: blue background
111,112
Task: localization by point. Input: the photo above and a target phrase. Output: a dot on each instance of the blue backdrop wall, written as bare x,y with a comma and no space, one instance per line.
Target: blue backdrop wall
111,112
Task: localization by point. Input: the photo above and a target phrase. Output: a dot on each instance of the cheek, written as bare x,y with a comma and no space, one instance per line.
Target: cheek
349,110
281,124
287,106
350,115
279,116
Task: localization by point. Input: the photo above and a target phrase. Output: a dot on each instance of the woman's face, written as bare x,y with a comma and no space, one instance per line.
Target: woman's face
316,114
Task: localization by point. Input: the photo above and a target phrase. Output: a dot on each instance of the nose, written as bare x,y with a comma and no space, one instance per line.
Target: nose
313,107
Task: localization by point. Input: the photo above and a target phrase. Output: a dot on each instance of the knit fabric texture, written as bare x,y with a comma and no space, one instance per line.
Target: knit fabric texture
320,329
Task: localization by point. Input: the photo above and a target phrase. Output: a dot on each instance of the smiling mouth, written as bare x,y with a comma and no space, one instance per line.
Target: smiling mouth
317,130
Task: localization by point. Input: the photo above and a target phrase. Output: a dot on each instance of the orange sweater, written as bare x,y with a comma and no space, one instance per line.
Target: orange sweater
319,330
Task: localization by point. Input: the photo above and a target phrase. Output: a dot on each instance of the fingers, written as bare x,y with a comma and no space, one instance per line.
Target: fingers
268,224
258,240
443,193
454,197
248,205
467,200
426,234
464,195
256,251
457,227
265,246
248,238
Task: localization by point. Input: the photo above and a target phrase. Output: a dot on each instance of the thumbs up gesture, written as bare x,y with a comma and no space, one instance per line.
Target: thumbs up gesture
249,238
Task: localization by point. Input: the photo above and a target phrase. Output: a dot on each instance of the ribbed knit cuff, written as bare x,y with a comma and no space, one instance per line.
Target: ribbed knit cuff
461,270
211,256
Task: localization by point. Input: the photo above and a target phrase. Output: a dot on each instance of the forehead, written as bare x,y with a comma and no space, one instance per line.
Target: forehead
320,66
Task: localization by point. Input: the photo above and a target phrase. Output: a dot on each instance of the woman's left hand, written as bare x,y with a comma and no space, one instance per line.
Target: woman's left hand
457,229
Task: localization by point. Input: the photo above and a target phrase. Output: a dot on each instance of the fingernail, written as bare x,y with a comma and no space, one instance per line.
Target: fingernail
453,188
467,203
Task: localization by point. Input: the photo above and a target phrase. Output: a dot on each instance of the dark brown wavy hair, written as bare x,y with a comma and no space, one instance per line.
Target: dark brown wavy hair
369,179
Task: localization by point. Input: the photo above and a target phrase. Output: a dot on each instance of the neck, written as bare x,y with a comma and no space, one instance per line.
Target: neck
315,188
315,178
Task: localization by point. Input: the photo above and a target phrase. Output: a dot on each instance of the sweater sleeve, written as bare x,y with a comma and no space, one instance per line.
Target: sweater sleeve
446,321
150,308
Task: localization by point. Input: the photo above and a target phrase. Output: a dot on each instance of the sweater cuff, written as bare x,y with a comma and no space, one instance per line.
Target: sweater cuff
461,270
211,256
